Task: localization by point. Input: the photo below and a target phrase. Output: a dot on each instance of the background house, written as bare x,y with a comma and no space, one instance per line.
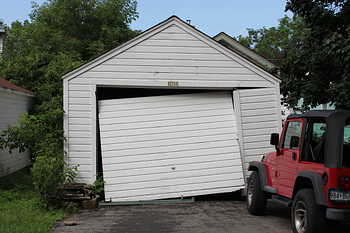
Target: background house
2,39
14,100
170,113
242,50
253,57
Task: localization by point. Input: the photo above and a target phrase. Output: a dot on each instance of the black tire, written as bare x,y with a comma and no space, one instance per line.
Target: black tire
256,197
307,215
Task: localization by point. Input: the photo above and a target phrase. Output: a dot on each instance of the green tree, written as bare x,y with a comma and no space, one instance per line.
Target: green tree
277,43
62,35
85,27
319,72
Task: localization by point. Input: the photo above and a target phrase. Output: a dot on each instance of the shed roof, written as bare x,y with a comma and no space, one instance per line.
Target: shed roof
7,85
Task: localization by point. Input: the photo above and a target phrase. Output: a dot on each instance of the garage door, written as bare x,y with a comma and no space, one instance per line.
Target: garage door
169,146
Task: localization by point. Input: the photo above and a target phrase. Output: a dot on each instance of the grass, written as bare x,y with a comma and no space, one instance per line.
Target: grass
21,209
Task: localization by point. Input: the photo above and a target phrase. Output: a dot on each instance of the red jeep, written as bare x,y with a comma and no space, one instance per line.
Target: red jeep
309,171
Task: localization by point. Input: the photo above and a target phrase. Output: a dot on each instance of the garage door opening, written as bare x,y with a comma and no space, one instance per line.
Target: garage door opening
105,93
156,145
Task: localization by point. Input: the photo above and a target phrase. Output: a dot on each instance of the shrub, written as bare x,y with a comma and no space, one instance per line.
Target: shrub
49,172
44,139
40,134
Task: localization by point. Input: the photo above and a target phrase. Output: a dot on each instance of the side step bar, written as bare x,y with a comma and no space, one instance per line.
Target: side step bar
282,200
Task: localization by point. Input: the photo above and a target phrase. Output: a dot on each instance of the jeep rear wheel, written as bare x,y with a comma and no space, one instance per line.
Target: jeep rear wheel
307,215
256,197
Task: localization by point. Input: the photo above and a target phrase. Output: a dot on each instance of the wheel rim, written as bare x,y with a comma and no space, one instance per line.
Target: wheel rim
250,192
300,217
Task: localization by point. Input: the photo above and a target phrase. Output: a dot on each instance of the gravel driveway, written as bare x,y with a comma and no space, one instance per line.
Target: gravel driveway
201,216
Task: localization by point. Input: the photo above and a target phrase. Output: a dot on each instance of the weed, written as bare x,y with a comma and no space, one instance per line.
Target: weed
72,208
98,185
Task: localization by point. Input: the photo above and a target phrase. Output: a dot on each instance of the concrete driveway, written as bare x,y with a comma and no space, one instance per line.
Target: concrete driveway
201,216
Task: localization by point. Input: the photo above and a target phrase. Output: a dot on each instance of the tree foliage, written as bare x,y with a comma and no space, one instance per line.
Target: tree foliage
277,43
320,73
40,134
85,28
62,35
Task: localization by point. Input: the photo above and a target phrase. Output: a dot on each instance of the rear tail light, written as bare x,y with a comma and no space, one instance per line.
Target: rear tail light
344,182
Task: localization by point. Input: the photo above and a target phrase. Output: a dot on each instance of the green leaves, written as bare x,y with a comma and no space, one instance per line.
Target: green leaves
324,55
42,134
62,35
98,185
49,172
71,26
277,43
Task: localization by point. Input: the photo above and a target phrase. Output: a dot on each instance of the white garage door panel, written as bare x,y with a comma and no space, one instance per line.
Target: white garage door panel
113,125
170,129
180,164
153,153
169,146
158,134
182,138
164,174
173,191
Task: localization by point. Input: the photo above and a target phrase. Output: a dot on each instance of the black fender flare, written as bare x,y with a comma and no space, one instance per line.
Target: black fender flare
317,185
260,167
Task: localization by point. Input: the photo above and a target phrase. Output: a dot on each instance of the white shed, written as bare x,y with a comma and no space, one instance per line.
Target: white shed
14,100
172,112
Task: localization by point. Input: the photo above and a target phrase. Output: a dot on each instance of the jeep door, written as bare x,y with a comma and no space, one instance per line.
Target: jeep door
287,161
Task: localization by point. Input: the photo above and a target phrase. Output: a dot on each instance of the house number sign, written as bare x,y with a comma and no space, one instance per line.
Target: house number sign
173,84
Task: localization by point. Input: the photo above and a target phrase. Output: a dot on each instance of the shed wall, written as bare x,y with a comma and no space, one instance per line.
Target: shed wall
174,56
12,105
258,116
79,134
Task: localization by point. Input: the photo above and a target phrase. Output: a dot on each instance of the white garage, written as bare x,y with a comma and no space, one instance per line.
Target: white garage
170,113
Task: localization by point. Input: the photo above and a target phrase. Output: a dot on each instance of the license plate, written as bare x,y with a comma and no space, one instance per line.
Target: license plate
339,195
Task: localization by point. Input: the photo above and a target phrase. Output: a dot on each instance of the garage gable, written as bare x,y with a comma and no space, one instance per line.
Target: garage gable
174,50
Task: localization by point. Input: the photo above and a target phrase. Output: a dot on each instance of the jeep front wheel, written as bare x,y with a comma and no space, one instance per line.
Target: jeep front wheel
256,197
307,215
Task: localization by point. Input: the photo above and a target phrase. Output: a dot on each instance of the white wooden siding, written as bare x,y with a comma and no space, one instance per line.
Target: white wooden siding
169,146
259,113
173,54
11,106
172,51
80,135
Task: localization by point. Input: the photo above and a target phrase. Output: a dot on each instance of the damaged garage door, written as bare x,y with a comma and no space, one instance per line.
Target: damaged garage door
169,146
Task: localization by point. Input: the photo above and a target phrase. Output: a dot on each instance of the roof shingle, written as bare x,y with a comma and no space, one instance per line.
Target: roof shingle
6,84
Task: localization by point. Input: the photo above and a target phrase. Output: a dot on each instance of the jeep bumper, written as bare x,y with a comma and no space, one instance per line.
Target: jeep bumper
338,214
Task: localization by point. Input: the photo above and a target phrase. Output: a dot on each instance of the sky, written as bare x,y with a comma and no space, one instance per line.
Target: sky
211,17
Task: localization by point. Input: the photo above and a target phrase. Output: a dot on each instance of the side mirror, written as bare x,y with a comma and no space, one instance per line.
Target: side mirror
274,140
